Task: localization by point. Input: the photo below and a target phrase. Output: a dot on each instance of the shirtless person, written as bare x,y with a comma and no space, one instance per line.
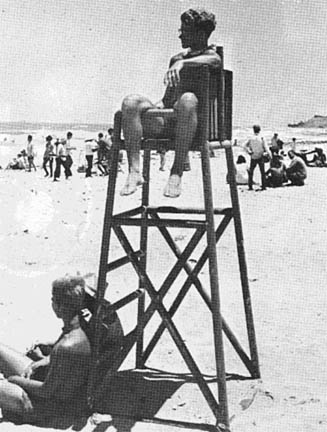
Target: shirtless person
196,27
22,396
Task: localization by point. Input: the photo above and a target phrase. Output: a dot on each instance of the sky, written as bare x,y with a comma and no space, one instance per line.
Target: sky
75,60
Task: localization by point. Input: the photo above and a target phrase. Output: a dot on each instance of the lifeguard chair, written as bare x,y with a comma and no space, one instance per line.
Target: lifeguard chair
214,131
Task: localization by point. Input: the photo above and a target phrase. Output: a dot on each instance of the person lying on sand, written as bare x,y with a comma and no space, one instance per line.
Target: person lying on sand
23,396
319,158
196,27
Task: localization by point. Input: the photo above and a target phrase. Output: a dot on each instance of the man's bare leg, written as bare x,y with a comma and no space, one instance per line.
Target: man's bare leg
132,109
187,122
12,362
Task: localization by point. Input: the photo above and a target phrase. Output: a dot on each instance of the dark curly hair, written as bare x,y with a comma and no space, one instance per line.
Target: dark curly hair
200,19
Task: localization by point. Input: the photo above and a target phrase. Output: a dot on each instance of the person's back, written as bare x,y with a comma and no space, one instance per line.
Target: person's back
241,171
256,146
71,355
278,175
297,165
296,171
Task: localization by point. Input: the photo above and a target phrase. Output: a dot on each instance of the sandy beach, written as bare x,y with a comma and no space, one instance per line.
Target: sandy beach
48,229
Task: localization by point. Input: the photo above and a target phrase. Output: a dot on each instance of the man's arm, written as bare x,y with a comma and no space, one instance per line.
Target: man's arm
172,76
247,147
67,372
265,146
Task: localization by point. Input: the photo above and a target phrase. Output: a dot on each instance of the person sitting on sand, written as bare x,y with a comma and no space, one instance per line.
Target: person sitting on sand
276,175
296,171
17,163
23,397
241,169
196,27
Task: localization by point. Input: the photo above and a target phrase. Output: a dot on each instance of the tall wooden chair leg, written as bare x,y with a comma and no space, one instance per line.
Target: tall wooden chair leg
215,299
242,264
103,267
143,258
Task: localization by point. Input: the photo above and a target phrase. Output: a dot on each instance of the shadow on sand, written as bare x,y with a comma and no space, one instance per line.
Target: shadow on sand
129,397
138,395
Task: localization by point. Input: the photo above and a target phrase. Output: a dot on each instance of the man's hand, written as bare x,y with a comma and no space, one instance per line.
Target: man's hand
172,77
33,366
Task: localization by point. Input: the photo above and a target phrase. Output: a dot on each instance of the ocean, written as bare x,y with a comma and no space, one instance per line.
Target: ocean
13,137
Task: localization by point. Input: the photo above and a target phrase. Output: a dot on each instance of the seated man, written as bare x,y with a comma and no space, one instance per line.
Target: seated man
276,175
296,172
23,396
196,27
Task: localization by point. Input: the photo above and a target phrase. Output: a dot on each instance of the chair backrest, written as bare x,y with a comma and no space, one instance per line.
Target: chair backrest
221,98
111,332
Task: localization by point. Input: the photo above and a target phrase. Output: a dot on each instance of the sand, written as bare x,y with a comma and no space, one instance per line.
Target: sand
48,229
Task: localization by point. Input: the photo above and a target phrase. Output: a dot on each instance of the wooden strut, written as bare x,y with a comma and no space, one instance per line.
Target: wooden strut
145,216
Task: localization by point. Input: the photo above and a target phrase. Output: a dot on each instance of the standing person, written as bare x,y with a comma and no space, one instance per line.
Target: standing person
296,171
257,149
68,151
103,151
108,139
30,153
293,144
180,95
60,159
48,156
274,144
89,150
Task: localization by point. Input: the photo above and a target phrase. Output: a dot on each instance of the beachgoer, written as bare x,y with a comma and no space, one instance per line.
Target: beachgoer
65,370
24,156
293,144
104,146
274,144
30,153
318,159
68,152
162,154
60,159
89,150
196,27
276,175
241,170
258,150
296,171
108,139
17,163
48,156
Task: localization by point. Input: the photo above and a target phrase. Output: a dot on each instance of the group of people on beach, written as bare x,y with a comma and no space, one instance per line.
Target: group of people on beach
278,173
58,158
